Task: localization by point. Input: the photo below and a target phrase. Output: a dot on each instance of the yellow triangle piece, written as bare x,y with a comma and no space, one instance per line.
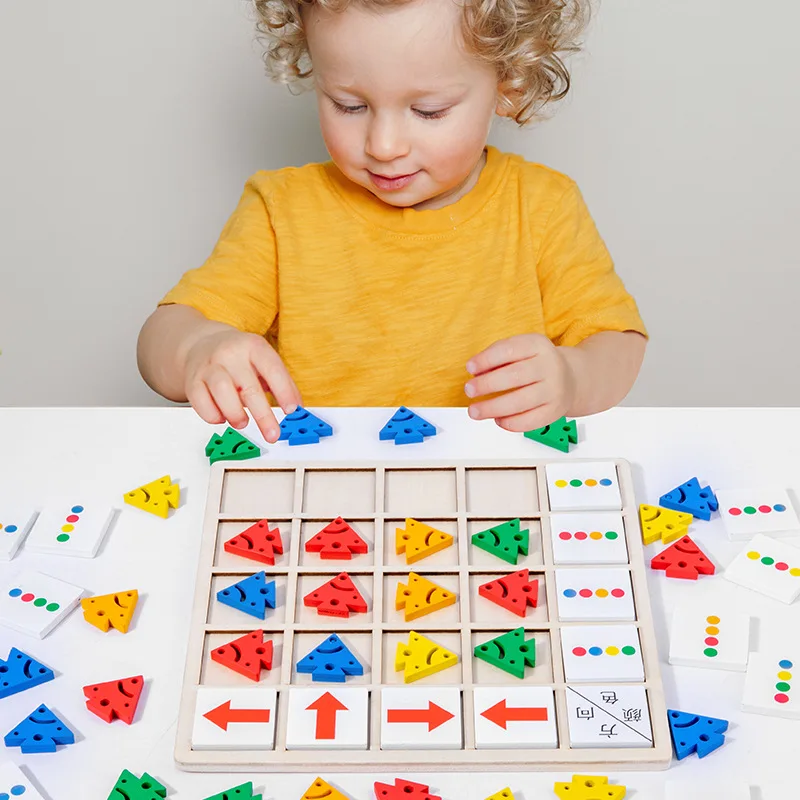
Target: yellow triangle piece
418,540
503,794
662,523
589,787
421,597
322,789
157,497
421,657
110,610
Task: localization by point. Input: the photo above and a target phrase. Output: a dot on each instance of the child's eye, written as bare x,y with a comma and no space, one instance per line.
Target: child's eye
342,109
438,114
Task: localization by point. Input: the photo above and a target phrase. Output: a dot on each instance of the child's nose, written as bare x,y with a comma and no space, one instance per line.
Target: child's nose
386,138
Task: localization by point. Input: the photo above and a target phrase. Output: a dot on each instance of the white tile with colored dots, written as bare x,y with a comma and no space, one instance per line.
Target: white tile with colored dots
14,784
768,566
746,512
588,538
34,603
15,524
67,528
711,638
772,684
594,595
583,486
602,653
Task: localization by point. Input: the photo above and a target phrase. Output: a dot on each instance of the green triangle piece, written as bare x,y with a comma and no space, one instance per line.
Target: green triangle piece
231,446
129,787
505,541
559,434
241,792
509,652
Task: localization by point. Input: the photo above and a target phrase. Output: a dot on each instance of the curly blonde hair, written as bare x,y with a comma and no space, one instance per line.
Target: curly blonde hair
524,39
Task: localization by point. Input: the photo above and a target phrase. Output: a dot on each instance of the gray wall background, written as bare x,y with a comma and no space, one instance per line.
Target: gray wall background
127,131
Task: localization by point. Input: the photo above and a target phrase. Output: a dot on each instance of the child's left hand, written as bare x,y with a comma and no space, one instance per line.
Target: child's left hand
532,377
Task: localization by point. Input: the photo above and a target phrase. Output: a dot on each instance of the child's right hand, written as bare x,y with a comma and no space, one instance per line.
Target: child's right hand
227,373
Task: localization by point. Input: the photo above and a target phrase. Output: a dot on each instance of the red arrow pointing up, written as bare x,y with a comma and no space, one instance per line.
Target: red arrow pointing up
433,715
500,714
224,715
326,707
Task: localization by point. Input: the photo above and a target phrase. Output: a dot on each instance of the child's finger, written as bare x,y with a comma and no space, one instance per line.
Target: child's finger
269,366
509,404
225,395
503,379
529,420
253,397
202,402
506,351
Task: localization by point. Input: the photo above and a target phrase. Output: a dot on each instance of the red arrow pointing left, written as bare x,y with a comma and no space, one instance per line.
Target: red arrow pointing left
326,707
501,714
223,715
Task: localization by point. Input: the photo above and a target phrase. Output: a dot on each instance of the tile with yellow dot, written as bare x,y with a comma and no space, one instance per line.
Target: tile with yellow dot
583,486
772,684
768,566
713,638
71,528
588,538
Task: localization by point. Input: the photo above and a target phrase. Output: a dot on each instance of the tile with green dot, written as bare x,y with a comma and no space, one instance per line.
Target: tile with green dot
711,637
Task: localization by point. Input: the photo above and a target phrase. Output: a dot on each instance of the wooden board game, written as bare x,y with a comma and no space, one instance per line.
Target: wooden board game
590,695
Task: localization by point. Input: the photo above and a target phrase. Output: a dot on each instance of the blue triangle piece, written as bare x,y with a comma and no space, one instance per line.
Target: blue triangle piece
407,427
20,672
330,661
690,498
692,733
40,733
303,427
253,595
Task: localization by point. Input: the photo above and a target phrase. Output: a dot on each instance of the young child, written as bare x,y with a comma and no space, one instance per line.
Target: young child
418,266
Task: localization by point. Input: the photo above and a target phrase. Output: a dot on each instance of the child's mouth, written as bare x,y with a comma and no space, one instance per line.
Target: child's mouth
392,182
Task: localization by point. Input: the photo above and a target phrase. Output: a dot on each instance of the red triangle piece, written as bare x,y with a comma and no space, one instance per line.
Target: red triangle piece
683,559
258,543
247,655
514,592
337,598
403,790
115,698
336,540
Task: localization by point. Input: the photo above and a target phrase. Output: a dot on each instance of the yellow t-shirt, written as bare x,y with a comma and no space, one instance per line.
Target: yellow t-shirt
371,305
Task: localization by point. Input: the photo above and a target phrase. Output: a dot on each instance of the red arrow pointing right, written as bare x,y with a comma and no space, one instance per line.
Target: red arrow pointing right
433,715
326,707
501,714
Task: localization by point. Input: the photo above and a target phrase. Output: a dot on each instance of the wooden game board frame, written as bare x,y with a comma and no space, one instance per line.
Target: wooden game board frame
375,759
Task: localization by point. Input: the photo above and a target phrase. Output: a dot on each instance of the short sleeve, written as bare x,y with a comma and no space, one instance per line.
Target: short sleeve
238,284
581,291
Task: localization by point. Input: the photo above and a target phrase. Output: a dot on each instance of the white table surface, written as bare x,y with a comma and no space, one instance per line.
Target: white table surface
105,452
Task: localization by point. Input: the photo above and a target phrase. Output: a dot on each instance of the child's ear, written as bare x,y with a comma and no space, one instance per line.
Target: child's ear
506,101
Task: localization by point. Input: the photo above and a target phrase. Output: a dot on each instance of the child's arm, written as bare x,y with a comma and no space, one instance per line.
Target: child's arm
539,382
220,370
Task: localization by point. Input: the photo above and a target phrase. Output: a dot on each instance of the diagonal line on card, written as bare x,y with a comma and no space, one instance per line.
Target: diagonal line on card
606,711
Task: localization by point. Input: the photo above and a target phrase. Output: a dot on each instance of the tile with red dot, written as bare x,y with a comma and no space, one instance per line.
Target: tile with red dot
595,595
712,638
771,686
597,653
768,566
71,528
746,512
596,537
35,603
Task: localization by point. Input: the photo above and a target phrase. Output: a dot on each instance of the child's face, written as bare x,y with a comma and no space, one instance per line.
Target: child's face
405,111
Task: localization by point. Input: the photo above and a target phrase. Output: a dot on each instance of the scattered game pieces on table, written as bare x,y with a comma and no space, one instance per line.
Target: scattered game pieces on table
506,541
418,540
253,595
614,715
768,686
259,542
683,559
503,794
247,655
692,733
303,427
156,497
514,592
14,784
70,529
230,446
322,790
337,540
421,657
421,596
510,652
709,638
115,699
767,566
15,524
559,434
691,498
403,790
747,512
339,597
662,524
110,610
589,787
20,672
129,787
40,732
34,603
406,427
421,717
244,791
331,660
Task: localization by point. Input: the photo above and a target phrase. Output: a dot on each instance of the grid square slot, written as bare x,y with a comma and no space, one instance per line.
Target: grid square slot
256,494
484,673
308,617
339,492
359,644
486,612
415,492
214,674
227,530
451,640
227,618
365,528
449,616
444,559
507,492
484,560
